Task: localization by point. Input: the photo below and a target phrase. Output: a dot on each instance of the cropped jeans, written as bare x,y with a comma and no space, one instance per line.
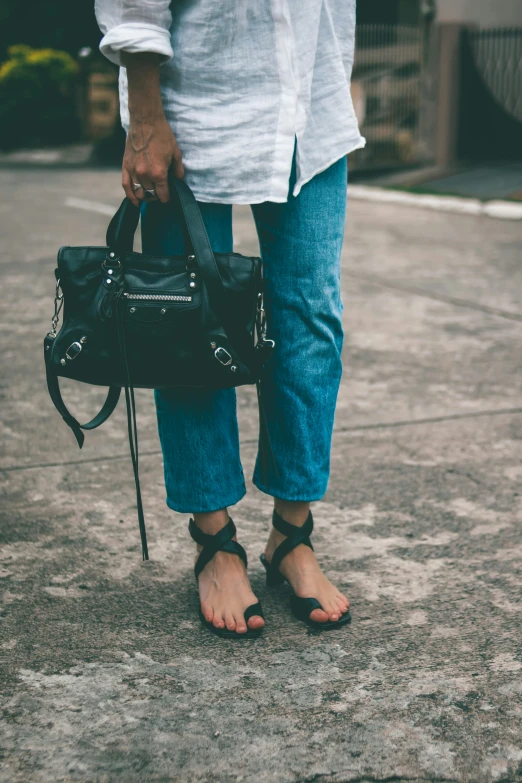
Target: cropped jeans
300,244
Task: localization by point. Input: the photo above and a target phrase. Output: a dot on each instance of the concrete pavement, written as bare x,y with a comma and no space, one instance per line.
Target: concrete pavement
105,672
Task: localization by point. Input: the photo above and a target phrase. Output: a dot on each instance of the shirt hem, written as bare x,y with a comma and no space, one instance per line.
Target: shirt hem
356,144
239,199
260,198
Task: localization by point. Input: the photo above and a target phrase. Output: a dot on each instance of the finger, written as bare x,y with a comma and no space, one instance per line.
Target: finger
142,175
159,175
162,188
177,163
127,187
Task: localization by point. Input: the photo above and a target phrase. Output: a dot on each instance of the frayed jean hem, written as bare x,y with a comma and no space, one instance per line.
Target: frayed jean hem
291,497
205,508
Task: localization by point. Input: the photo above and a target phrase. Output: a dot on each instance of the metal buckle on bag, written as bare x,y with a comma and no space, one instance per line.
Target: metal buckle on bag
223,356
58,304
73,350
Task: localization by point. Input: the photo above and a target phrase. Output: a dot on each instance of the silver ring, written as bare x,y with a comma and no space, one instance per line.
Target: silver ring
136,186
150,192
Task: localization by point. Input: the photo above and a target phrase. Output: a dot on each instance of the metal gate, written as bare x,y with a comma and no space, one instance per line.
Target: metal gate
387,95
491,95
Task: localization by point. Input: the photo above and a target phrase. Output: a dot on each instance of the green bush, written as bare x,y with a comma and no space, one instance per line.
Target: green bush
37,100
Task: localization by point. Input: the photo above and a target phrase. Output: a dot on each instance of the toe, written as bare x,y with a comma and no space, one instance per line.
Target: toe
218,620
229,621
255,622
240,624
341,605
208,612
319,616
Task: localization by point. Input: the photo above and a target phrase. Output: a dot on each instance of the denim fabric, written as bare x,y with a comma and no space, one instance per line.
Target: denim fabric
300,243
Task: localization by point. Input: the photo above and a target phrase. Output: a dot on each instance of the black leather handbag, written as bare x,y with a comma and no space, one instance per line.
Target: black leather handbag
132,320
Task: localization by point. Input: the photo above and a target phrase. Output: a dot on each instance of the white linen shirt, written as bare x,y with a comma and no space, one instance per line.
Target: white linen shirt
242,82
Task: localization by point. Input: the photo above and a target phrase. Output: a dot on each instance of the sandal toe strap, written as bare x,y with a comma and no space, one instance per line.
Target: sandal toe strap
219,542
254,610
303,607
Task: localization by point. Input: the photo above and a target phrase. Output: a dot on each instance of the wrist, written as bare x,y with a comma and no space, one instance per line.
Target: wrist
146,115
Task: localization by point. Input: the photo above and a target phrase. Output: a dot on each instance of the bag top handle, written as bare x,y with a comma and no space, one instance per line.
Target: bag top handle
121,230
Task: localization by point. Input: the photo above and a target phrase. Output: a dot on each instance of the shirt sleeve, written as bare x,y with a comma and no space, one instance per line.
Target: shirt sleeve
134,26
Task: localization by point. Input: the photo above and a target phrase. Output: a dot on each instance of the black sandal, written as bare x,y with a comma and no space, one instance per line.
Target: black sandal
301,607
222,542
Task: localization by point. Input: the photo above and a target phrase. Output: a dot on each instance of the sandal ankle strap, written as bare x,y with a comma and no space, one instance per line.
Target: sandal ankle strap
218,542
289,530
295,536
205,539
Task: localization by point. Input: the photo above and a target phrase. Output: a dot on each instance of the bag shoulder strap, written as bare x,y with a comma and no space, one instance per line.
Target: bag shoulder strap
106,410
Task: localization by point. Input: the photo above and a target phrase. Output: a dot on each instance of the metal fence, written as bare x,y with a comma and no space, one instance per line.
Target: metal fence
498,59
490,123
386,90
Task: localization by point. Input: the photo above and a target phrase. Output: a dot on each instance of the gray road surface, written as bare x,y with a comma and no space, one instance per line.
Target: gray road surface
107,675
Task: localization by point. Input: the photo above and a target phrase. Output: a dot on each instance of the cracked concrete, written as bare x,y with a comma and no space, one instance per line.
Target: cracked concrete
105,671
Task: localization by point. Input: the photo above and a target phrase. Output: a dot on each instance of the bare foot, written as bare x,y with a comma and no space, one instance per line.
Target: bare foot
224,589
302,570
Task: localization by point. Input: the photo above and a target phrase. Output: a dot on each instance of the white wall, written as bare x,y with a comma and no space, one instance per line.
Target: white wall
486,13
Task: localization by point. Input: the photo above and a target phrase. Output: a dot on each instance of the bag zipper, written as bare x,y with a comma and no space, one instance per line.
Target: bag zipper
159,297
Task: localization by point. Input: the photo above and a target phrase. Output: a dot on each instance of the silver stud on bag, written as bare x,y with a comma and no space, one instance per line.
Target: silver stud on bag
163,310
193,274
213,345
192,285
132,310
191,258
109,271
62,361
233,368
108,281
111,255
83,340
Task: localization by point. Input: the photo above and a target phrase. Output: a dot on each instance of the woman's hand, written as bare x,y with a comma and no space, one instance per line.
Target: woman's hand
151,148
150,151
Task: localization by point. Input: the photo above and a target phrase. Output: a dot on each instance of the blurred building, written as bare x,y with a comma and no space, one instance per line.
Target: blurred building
487,13
437,81
484,13
434,82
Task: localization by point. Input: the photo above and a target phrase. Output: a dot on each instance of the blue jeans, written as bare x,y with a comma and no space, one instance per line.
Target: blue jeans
300,245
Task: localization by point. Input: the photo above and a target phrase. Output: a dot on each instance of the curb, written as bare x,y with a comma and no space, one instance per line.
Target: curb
500,210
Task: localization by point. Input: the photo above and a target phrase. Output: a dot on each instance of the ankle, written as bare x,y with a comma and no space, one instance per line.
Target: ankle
212,522
294,512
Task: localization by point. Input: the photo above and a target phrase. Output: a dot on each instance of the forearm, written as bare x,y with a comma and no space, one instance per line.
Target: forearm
151,147
145,105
